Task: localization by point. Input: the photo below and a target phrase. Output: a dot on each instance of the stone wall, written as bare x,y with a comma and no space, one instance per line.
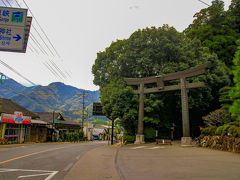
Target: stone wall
225,143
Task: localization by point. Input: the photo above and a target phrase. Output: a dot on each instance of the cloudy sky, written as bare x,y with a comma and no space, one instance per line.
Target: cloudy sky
78,29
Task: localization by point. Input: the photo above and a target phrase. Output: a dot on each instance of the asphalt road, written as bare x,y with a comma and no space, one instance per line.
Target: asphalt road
166,162
41,161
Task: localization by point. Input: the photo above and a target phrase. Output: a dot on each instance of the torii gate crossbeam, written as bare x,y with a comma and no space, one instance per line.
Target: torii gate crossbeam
159,81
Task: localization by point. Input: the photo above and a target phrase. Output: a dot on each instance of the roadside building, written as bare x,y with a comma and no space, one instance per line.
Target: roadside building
58,124
100,132
15,122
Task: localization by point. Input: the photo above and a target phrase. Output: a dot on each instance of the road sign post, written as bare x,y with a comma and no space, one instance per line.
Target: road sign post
12,29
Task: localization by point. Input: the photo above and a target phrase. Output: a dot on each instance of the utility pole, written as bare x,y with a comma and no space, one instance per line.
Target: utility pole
53,125
112,131
83,96
87,125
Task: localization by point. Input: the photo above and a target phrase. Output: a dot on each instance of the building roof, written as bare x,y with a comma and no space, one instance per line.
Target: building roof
9,107
39,122
68,120
48,117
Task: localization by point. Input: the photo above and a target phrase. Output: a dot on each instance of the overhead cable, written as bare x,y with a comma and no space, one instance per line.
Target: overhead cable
41,28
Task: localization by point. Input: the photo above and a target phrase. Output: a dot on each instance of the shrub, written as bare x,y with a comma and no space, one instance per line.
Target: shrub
233,130
235,123
129,139
217,118
209,130
149,134
219,131
225,129
81,135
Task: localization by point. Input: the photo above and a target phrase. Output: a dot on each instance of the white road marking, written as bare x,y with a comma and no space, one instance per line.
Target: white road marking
34,175
50,174
68,167
138,147
154,148
78,157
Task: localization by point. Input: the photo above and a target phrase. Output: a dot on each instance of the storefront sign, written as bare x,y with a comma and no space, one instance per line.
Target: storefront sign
17,118
2,131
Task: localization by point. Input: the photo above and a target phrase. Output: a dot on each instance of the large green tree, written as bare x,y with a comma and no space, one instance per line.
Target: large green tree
151,52
217,29
235,91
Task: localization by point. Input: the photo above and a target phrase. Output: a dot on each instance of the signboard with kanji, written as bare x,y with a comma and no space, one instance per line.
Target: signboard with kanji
12,28
16,118
97,109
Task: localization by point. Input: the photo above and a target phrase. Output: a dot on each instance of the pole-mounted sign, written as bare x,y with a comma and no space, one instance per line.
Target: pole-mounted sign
12,28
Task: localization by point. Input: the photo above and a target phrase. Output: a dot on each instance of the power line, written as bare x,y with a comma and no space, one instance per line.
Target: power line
12,69
39,46
4,3
8,2
37,43
41,29
32,37
19,93
204,3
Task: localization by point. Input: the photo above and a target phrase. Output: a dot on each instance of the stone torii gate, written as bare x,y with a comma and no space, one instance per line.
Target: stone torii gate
159,81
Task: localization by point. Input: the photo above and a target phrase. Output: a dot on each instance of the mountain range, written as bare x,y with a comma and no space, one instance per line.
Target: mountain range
56,96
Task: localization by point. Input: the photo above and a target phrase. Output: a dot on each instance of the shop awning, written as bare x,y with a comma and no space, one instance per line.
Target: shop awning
39,122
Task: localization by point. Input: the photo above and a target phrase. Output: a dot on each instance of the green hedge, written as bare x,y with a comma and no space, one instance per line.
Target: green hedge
73,136
209,130
232,129
129,139
149,134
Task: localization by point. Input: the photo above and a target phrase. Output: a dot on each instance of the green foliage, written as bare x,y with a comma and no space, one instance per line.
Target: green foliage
217,118
217,29
99,122
152,52
224,98
235,91
219,131
209,130
225,129
233,130
149,134
129,139
73,136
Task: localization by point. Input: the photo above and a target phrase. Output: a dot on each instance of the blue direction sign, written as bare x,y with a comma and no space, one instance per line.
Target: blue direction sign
12,28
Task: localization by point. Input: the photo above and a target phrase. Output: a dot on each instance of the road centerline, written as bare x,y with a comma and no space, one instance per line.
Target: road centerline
31,154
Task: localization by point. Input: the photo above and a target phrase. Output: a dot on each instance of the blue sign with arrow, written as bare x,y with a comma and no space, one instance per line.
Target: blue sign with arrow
17,37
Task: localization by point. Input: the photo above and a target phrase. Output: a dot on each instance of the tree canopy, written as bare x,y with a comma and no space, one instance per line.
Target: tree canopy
217,29
151,52
235,91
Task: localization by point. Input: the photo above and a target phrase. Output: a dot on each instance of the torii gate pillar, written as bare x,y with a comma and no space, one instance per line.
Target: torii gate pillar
160,87
186,140
139,135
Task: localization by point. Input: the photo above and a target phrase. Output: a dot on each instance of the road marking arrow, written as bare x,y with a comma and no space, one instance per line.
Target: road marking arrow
17,37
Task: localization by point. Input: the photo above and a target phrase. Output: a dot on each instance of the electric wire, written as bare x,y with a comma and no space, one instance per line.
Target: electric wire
38,44
12,69
19,93
55,72
41,28
8,3
204,3
33,38
4,3
60,71
56,66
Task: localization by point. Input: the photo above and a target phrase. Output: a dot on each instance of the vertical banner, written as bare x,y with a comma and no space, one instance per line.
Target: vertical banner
2,130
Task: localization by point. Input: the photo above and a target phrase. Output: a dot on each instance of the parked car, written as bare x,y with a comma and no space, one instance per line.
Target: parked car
95,138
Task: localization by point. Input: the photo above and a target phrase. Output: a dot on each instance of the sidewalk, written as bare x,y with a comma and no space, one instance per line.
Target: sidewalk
98,163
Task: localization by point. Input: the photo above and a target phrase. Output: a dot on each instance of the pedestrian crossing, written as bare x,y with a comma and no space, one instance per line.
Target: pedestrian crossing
148,147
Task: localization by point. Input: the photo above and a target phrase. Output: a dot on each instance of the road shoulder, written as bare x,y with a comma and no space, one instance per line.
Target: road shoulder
98,163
